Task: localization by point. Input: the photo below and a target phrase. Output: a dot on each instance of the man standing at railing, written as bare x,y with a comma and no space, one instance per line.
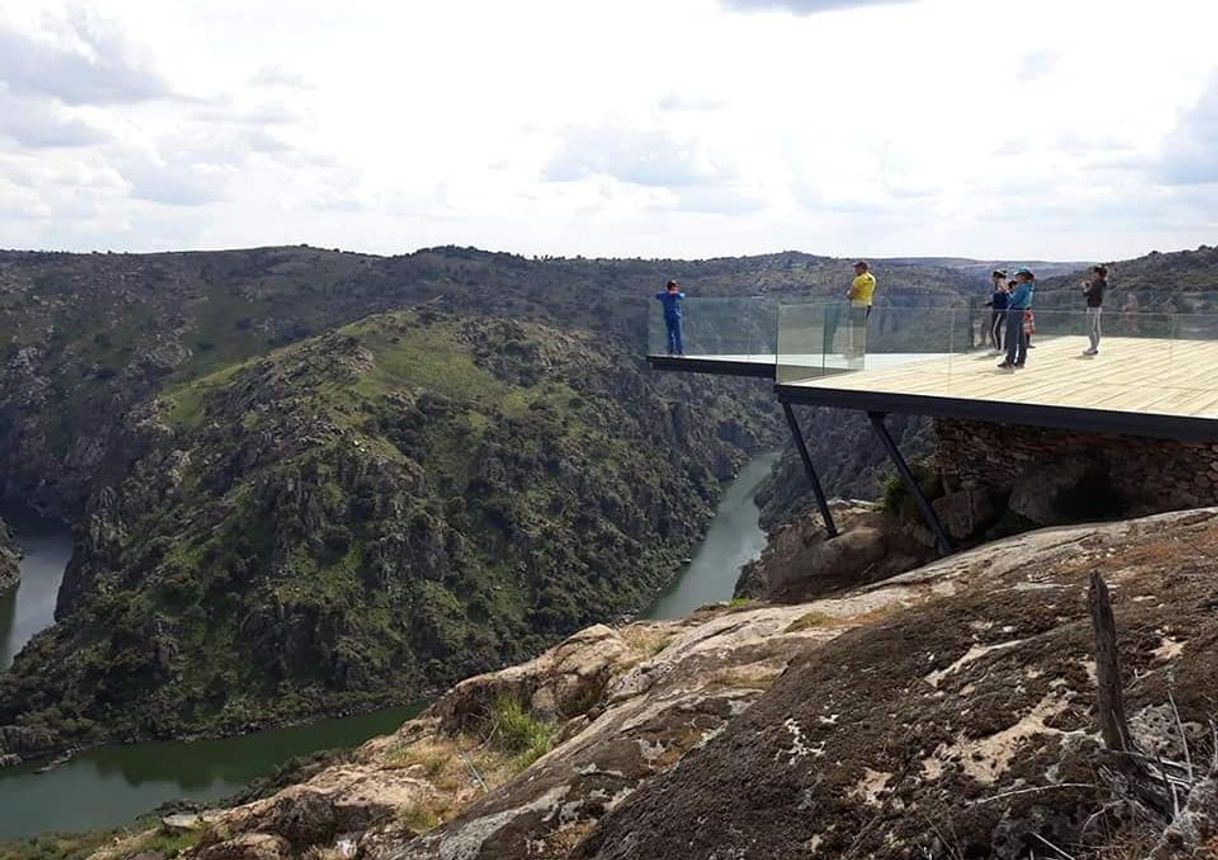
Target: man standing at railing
1019,305
1093,291
671,297
861,296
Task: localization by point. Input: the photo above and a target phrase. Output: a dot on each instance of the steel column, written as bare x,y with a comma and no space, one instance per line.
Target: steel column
821,501
911,483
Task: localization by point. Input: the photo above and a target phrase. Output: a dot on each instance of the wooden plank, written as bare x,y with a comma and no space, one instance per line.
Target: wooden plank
1130,374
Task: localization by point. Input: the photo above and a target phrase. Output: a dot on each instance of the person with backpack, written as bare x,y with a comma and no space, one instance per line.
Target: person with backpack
671,297
1093,291
1017,311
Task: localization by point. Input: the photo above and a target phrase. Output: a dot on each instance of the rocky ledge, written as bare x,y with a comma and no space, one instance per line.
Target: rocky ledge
10,556
945,712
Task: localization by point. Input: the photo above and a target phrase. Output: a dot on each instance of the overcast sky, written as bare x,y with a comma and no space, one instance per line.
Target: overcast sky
1065,129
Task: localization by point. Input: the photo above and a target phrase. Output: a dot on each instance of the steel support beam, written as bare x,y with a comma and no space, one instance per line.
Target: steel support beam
911,483
821,501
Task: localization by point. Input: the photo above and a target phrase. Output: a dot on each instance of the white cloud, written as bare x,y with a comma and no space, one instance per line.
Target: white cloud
648,157
34,124
806,7
1191,154
611,128
78,59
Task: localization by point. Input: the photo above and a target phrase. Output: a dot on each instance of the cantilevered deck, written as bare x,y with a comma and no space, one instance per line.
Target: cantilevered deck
1155,374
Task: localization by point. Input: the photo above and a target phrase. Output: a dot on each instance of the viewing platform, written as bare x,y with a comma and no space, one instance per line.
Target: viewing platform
1154,375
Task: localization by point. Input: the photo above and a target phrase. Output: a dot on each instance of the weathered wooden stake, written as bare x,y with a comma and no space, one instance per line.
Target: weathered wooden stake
1113,724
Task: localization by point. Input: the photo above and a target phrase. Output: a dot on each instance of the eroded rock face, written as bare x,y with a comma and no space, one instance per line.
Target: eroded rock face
960,727
10,556
947,711
802,562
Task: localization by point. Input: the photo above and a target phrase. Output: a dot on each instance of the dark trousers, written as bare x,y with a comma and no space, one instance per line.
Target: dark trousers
675,346
997,321
1017,341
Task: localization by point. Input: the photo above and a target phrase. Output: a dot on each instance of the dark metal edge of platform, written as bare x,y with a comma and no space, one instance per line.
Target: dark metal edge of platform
714,366
1180,428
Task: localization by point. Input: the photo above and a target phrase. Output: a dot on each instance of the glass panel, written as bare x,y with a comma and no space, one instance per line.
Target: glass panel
803,330
723,328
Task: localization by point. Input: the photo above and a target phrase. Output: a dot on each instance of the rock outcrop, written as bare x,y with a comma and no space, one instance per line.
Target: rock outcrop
944,712
980,664
10,558
802,562
965,726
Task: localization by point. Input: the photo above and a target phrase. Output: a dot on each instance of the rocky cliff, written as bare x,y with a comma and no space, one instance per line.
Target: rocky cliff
947,712
366,516
10,556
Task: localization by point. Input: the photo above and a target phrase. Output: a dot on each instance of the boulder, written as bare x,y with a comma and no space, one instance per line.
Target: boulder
248,846
304,818
965,513
803,562
1041,494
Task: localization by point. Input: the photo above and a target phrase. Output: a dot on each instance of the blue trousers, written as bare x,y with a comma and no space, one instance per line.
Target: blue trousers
1017,341
675,346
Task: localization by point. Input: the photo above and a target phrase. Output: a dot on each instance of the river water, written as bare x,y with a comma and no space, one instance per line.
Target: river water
734,539
30,607
109,787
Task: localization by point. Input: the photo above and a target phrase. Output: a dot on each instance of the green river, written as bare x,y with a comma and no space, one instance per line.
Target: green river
110,786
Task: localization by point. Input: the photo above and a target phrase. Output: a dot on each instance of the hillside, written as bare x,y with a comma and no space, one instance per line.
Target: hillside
1180,281
919,717
88,338
363,516
253,458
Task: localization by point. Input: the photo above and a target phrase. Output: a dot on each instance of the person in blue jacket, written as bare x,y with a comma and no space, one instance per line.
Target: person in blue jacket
1020,303
671,297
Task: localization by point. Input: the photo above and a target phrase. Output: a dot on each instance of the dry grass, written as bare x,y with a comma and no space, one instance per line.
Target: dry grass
811,619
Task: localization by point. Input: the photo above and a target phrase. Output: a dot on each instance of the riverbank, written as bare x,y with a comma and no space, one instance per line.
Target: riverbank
110,786
734,539
29,607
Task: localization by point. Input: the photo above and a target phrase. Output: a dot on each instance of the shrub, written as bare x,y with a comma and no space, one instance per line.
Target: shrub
518,732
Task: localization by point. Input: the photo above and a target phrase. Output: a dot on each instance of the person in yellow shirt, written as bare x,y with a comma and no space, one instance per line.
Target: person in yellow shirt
862,288
861,296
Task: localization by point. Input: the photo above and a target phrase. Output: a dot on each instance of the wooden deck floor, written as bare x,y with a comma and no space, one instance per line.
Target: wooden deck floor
1144,375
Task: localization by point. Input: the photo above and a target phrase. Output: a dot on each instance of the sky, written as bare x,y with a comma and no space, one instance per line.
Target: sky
1040,129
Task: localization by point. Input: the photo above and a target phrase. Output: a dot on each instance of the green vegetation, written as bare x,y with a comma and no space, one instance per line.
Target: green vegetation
519,733
418,818
356,519
897,498
809,620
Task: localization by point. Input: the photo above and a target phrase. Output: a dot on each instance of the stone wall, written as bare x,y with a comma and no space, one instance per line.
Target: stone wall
1130,475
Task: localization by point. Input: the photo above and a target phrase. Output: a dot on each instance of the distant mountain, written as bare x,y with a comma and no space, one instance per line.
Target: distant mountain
1179,281
981,269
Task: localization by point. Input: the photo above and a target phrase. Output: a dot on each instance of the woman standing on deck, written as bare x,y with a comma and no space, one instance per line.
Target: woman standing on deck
1021,303
1093,291
998,306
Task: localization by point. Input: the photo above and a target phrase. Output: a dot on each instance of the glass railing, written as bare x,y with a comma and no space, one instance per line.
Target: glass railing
728,329
947,350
